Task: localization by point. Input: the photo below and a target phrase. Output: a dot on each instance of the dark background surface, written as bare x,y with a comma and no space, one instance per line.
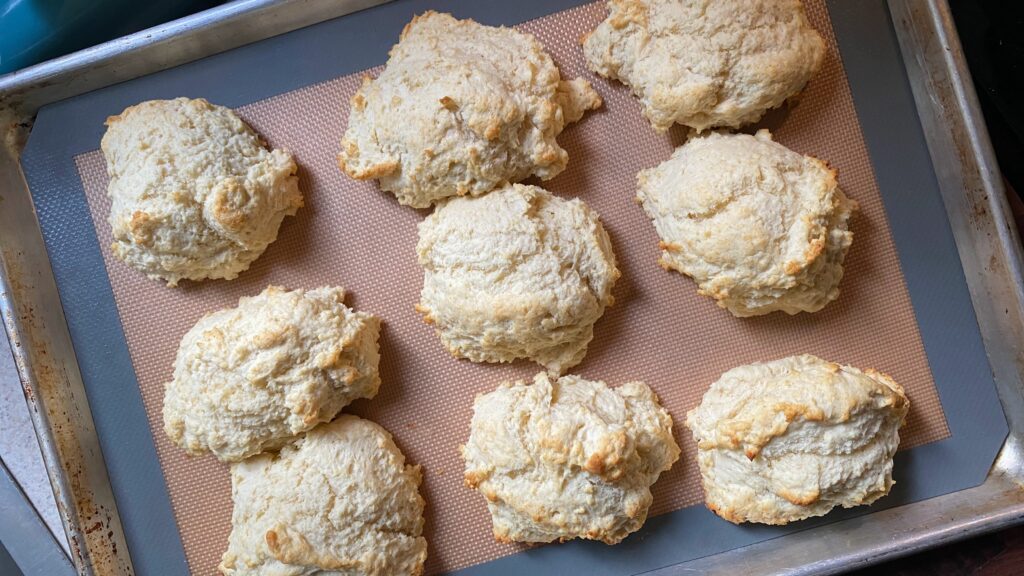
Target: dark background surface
992,34
7,565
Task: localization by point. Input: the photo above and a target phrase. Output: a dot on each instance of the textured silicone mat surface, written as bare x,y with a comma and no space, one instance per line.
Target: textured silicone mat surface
659,331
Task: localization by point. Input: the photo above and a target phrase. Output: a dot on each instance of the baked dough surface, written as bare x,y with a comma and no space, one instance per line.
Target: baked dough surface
706,64
794,438
759,227
568,458
460,109
517,273
250,378
340,501
194,192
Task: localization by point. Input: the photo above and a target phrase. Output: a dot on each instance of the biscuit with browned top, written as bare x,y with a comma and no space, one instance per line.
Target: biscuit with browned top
340,500
517,273
194,192
460,109
706,64
568,458
794,438
251,378
758,226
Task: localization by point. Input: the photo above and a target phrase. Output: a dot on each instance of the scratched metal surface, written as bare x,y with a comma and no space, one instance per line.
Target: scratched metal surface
964,167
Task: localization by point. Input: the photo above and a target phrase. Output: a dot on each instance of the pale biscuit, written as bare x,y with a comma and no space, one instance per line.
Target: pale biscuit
250,378
194,192
517,273
759,227
786,440
568,458
340,500
706,64
460,108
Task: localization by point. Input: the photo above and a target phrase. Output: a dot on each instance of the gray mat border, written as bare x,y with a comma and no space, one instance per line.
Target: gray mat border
889,121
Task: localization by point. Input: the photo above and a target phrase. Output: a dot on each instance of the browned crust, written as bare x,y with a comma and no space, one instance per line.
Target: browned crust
626,12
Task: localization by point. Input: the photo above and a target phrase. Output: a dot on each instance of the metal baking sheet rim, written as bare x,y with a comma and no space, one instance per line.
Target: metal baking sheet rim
969,181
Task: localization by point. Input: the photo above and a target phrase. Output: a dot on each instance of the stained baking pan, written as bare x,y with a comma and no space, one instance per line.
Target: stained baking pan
908,143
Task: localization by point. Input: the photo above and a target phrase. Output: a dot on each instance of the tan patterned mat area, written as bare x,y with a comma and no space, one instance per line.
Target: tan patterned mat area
660,331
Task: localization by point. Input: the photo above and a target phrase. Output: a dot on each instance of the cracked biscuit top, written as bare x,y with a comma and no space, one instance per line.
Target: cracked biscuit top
459,109
794,438
706,64
341,500
758,226
517,273
194,192
251,378
568,458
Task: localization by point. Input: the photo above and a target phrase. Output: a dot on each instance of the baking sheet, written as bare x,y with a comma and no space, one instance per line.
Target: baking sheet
659,331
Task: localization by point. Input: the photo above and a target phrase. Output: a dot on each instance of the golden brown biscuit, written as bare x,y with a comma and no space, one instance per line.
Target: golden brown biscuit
759,227
251,378
194,192
517,273
568,458
706,64
786,440
340,500
459,109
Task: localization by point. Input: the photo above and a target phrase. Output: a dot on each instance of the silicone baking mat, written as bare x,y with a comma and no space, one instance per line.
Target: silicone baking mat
659,331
